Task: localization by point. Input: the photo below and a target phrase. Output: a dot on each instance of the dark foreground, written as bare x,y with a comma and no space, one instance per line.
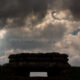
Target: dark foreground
75,75
55,64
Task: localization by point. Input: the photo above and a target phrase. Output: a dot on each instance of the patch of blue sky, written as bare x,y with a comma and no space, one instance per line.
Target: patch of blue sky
76,32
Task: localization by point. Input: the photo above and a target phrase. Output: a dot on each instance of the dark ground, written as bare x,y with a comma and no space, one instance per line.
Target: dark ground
75,73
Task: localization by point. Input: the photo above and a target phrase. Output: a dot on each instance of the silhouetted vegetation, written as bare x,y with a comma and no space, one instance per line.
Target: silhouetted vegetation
55,64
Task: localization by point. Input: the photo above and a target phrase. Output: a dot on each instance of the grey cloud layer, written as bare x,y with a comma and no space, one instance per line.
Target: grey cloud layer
39,39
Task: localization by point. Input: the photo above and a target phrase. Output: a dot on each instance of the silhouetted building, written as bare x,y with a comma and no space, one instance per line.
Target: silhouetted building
20,65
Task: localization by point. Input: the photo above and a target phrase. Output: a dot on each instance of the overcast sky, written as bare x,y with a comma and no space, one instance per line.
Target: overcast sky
40,26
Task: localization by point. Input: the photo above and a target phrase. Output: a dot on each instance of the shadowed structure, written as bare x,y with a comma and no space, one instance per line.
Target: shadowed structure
20,66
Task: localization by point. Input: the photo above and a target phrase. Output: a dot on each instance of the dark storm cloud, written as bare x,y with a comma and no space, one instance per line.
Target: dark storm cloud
74,7
19,9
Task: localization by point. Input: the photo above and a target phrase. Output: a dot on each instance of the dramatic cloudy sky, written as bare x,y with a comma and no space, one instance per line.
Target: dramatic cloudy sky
40,26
